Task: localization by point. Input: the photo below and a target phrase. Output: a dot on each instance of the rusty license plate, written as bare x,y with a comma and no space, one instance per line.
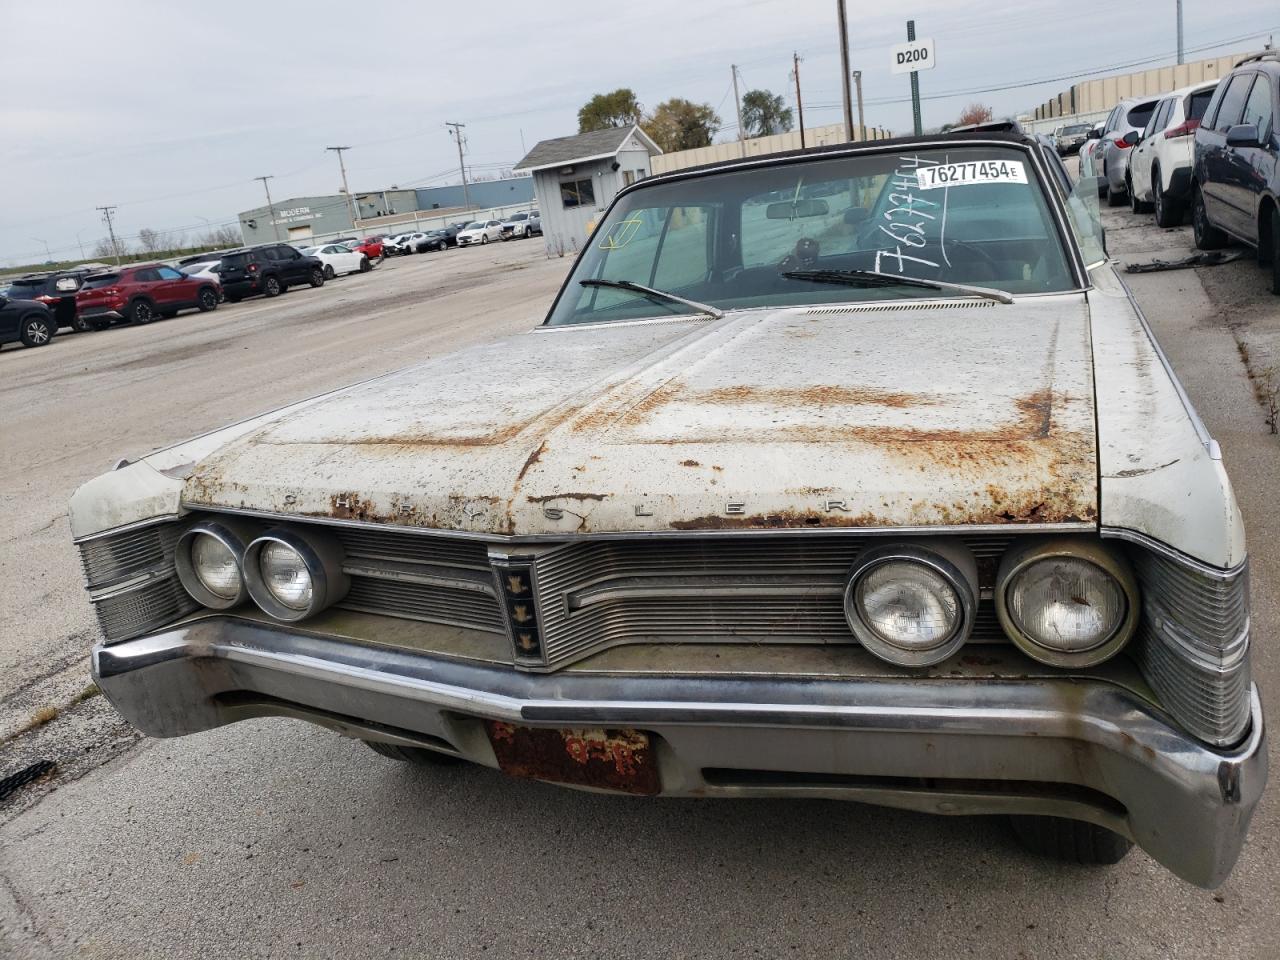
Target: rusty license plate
620,760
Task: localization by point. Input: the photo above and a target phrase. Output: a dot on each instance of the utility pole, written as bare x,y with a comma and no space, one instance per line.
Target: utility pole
48,257
737,105
915,82
1180,53
457,129
862,122
270,206
844,69
111,230
351,204
795,72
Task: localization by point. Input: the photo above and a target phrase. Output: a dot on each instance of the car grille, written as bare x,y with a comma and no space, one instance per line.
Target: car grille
784,589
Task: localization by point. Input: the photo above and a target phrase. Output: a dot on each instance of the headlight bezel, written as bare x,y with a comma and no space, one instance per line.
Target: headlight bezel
232,534
957,568
1112,563
322,557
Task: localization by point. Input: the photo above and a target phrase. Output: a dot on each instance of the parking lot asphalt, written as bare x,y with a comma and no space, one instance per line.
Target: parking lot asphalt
272,838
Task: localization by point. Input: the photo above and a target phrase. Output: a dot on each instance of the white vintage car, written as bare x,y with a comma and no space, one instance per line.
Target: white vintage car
852,473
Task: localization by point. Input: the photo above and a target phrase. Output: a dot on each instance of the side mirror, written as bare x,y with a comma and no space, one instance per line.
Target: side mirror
1133,137
1095,133
857,215
1243,135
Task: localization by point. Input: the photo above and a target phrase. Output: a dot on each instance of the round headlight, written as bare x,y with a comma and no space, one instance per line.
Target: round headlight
209,557
292,576
910,605
1067,603
216,566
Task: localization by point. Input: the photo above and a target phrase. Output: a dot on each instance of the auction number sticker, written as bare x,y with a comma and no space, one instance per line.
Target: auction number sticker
975,171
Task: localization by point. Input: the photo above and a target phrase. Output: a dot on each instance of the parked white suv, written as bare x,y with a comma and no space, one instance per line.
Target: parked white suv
480,231
1160,164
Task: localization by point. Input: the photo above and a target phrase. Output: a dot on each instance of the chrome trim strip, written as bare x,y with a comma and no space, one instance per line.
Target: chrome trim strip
128,527
430,575
159,571
509,539
1202,432
1199,566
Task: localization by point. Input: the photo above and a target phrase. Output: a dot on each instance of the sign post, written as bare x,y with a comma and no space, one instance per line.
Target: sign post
912,57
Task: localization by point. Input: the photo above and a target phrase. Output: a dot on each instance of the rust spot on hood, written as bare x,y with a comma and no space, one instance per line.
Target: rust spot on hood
819,395
533,458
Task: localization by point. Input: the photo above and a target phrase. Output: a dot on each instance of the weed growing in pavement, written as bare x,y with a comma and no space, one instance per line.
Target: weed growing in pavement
1269,389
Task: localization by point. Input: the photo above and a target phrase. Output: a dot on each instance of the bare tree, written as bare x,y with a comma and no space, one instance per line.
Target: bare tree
103,249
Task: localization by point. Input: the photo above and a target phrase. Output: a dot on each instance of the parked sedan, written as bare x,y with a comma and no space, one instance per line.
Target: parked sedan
810,497
338,258
28,322
1160,164
1236,188
405,243
480,231
434,240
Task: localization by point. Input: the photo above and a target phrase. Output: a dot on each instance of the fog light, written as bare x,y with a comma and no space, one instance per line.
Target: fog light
1069,602
912,604
209,559
292,575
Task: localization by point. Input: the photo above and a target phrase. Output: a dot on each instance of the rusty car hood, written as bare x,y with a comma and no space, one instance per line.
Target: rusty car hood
880,415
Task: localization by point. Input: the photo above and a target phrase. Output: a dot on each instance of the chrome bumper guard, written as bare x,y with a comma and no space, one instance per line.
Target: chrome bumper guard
1091,750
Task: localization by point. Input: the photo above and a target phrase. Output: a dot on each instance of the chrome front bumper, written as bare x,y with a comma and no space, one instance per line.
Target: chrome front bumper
1088,749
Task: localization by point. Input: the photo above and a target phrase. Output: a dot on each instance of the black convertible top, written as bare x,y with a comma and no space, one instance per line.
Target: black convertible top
858,146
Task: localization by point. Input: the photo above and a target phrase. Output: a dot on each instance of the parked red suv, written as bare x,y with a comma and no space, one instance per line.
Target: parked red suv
140,294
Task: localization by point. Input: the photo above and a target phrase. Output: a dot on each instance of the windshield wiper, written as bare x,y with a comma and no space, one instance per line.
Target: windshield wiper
870,278
653,294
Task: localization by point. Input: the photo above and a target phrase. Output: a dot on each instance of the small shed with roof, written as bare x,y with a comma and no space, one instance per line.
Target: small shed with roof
574,178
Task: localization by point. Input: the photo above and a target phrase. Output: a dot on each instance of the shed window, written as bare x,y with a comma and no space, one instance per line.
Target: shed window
577,193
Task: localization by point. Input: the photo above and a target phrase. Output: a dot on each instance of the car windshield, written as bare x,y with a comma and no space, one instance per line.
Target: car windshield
474,226
1076,128
235,259
194,268
105,280
1140,114
519,216
976,215
308,251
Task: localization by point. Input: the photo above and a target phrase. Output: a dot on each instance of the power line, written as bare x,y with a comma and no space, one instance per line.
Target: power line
111,231
456,131
270,206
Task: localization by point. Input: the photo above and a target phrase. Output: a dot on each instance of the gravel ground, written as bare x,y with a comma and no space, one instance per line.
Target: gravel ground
272,838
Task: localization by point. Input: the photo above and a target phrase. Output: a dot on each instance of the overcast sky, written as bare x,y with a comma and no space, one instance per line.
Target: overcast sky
170,111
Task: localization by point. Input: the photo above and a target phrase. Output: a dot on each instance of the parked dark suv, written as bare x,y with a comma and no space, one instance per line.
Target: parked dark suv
269,270
1236,190
57,291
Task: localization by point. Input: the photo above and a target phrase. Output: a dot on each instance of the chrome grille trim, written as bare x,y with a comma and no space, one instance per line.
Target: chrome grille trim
131,579
119,557
1193,643
595,595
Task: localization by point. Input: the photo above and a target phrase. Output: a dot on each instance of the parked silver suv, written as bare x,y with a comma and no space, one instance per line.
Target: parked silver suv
1132,113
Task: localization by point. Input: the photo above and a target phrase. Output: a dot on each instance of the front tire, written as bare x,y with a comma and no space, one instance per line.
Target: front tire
328,272
207,300
1072,841
1208,237
141,313
1168,210
36,331
418,755
484,238
317,278
365,266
